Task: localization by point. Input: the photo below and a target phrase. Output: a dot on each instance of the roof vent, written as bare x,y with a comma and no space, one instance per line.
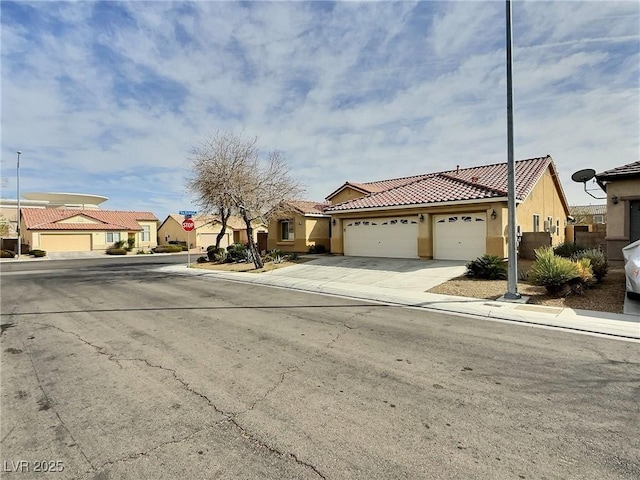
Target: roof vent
457,169
475,179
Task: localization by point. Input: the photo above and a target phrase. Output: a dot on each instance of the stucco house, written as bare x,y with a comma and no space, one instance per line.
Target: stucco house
207,228
457,214
622,186
299,225
588,214
84,230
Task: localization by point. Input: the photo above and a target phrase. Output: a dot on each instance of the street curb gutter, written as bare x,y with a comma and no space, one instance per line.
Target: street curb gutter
616,326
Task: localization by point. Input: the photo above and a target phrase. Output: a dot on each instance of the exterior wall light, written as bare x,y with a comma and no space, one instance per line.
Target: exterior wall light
333,221
421,217
494,215
614,199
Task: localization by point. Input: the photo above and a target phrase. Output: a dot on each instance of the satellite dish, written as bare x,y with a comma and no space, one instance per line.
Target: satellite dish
582,176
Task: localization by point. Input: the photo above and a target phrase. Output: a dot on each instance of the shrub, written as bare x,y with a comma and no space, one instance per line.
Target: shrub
217,254
130,244
567,249
317,249
202,260
599,264
553,272
184,248
277,259
118,244
236,253
141,252
293,256
488,267
167,249
116,251
7,254
37,252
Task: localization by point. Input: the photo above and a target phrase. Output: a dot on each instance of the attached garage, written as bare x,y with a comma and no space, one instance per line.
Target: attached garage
206,239
460,236
65,242
395,237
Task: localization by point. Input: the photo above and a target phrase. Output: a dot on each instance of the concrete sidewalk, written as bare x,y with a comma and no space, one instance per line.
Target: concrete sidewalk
408,287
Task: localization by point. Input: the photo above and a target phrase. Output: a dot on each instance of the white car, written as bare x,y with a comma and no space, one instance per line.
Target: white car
631,254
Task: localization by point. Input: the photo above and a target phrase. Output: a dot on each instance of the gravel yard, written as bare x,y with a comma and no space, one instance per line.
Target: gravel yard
607,296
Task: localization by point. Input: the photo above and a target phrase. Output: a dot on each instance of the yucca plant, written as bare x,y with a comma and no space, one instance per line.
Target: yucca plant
599,264
488,267
553,272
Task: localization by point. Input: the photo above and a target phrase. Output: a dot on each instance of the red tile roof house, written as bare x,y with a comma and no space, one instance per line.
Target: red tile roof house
622,185
458,214
298,226
83,230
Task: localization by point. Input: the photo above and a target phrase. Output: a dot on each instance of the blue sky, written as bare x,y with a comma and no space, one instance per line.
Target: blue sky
108,97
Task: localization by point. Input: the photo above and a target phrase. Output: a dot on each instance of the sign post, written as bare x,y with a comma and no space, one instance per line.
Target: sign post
188,225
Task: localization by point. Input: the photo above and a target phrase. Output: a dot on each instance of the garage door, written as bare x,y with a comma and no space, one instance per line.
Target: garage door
460,236
206,239
65,243
395,237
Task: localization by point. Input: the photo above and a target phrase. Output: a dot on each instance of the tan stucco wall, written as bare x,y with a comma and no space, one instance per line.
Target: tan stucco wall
618,222
544,200
346,195
308,231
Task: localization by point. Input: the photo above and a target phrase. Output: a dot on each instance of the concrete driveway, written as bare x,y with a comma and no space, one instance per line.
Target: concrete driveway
392,273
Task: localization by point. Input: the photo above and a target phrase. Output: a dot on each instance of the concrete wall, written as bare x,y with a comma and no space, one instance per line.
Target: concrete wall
532,240
591,240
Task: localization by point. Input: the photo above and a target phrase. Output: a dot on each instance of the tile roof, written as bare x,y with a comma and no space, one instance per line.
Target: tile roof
629,170
588,210
50,219
234,222
475,183
308,207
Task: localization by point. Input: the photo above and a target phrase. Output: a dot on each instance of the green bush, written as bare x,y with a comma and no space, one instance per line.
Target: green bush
317,249
167,249
293,256
236,253
184,248
116,251
37,253
554,273
119,244
202,260
567,249
599,264
216,254
488,267
7,254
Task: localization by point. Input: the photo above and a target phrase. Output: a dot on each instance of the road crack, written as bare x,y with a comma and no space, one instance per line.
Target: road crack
52,407
229,416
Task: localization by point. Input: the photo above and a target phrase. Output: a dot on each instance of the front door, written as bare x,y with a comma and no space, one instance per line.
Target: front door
634,221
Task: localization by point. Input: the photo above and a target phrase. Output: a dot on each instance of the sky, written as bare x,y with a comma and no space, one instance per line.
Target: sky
109,98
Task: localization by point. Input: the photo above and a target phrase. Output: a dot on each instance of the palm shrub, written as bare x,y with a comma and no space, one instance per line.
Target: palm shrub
566,249
216,254
553,272
236,253
116,251
488,267
599,264
119,244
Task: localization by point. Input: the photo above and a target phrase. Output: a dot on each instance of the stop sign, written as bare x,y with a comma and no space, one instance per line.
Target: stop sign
188,225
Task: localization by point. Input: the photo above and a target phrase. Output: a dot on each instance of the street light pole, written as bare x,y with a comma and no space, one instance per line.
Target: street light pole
18,195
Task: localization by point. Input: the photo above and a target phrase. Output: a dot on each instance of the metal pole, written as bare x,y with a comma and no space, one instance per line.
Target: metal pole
188,248
512,272
18,195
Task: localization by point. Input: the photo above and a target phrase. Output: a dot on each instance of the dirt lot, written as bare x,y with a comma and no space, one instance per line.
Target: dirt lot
607,296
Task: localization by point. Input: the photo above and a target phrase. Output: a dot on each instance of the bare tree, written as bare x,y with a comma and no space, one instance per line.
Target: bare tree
229,174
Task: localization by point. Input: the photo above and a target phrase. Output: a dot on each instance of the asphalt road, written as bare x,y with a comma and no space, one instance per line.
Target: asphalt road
121,372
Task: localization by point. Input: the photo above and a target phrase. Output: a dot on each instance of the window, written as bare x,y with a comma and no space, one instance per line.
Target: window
145,234
557,227
548,225
113,237
286,230
598,219
536,223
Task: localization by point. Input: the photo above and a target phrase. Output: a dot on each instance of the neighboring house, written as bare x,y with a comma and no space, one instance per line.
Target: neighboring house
622,185
459,214
207,229
588,214
84,230
299,225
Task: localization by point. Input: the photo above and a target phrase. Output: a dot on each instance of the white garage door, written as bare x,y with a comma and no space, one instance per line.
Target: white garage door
206,239
460,236
395,237
65,243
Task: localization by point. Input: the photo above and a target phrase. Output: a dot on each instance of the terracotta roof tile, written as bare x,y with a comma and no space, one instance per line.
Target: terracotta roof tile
487,181
50,219
629,170
588,210
308,207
